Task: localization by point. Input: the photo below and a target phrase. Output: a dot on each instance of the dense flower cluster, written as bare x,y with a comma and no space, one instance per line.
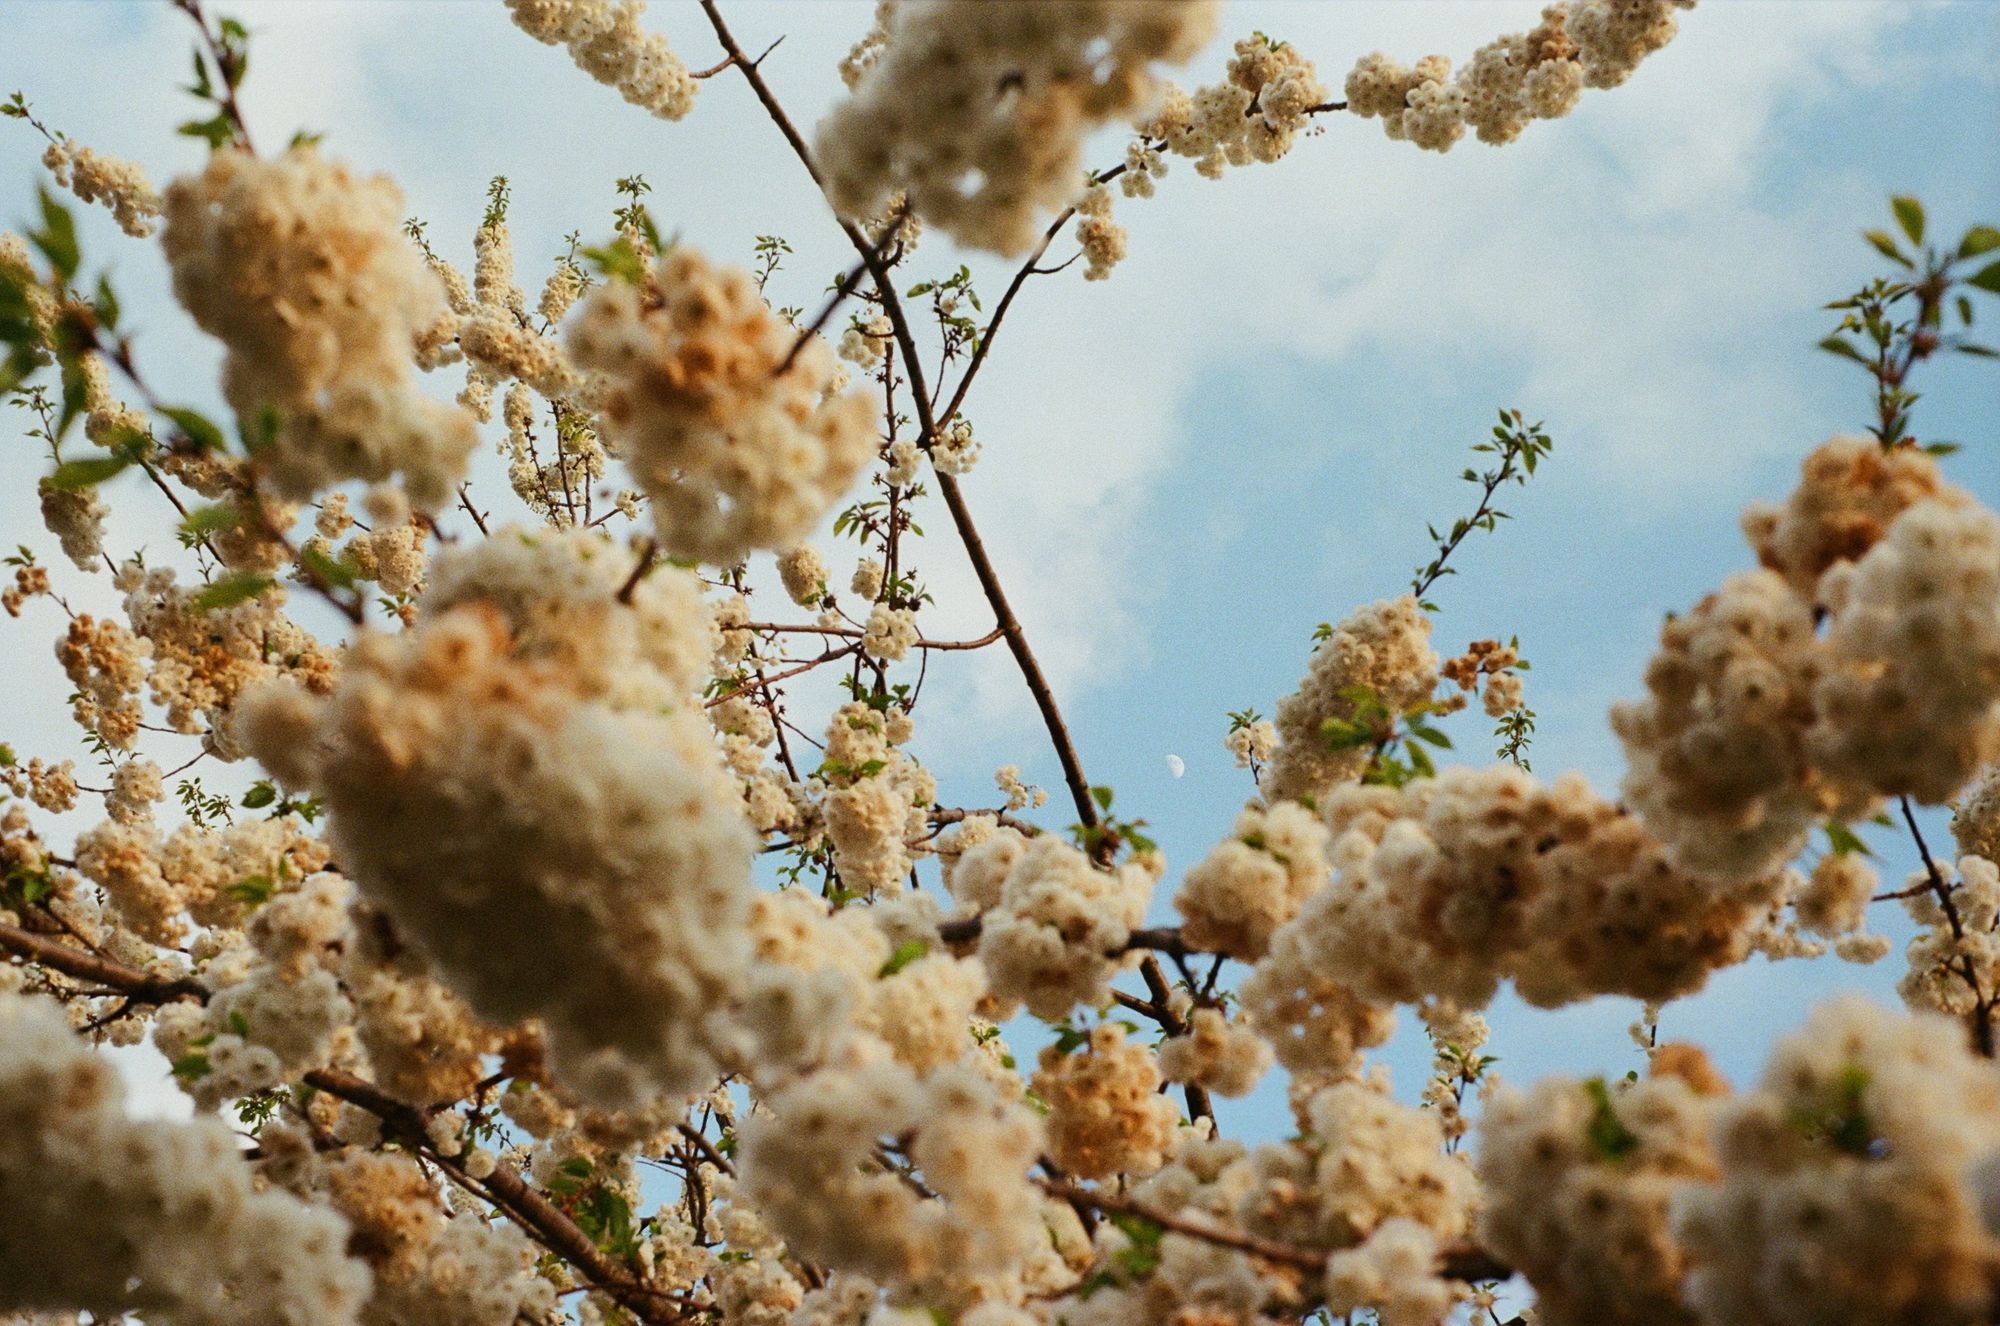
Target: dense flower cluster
1955,956
322,326
606,41
1255,114
1717,749
1054,924
111,1215
1380,653
811,1164
1513,80
1106,1115
1909,702
118,184
1251,883
1756,725
1217,1053
504,786
876,796
733,454
1448,886
1851,1186
1851,489
977,112
1579,1180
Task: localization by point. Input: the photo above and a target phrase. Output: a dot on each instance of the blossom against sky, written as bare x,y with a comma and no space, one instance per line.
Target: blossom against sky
1245,430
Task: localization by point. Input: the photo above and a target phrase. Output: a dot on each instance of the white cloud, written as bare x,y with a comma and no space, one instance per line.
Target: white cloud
1355,242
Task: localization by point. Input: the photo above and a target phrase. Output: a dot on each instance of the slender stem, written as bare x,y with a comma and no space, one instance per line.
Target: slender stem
225,67
1459,1263
855,633
961,515
1982,1005
140,985
504,1187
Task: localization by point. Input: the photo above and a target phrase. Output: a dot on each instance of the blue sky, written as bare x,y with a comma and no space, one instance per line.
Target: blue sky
1245,430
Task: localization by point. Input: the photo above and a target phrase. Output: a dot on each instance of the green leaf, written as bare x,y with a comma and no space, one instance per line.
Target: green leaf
1102,796
906,953
326,568
254,891
1978,240
75,390
106,303
206,520
1986,278
261,794
236,587
618,260
1606,1132
57,237
72,475
1841,346
191,1066
1910,216
215,132
1844,841
198,427
1885,244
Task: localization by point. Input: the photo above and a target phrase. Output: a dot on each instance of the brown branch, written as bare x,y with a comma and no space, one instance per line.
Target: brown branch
648,555
465,500
855,633
761,680
943,815
132,982
1982,1004
961,515
1460,1262
841,290
504,1187
225,66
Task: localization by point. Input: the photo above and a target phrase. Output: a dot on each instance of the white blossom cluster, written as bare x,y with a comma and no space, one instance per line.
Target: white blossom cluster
1255,114
300,269
733,454
118,184
503,784
1757,725
1447,886
199,660
1382,650
278,1010
876,796
111,1215
1235,898
1855,1179
1579,1180
606,41
811,1164
1516,79
1106,1115
1053,924
977,112
825,975
1217,1053
1954,958
429,1265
